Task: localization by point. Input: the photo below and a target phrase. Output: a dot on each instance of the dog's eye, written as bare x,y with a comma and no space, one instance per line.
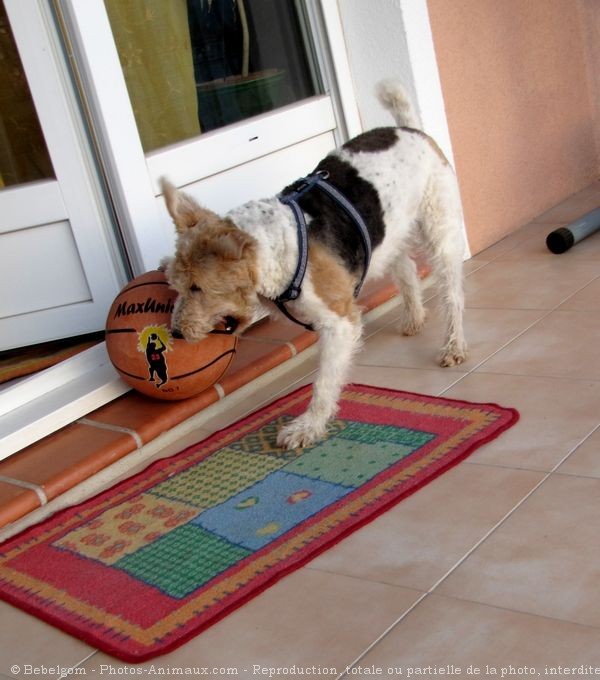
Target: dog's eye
194,288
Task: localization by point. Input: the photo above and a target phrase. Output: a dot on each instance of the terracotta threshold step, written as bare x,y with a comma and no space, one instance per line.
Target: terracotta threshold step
57,463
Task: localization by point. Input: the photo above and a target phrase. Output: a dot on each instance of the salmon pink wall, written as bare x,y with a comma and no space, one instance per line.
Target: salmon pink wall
520,89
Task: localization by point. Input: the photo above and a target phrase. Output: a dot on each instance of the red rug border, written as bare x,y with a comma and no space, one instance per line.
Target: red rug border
514,416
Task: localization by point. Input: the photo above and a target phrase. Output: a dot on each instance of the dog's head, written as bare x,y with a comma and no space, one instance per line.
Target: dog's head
214,270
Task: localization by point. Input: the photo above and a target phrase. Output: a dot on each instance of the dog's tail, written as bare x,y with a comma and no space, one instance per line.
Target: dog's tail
393,97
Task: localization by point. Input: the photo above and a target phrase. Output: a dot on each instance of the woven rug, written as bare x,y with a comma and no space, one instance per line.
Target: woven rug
148,564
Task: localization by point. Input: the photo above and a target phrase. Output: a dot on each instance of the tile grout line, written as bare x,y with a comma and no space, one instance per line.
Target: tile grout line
39,491
113,428
537,376
344,674
457,369
71,669
588,626
469,552
272,341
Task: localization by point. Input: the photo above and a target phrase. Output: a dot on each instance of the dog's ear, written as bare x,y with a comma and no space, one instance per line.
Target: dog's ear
232,244
184,210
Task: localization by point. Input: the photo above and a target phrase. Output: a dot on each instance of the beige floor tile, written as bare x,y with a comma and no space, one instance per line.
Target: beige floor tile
442,632
432,382
534,283
307,619
563,344
532,243
586,300
474,263
585,461
556,415
393,311
486,330
507,244
535,248
25,640
543,559
415,543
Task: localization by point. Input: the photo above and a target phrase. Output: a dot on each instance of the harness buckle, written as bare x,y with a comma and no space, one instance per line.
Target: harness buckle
292,293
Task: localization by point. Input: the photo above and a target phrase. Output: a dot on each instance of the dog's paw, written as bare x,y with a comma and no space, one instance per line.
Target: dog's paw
412,324
301,432
453,354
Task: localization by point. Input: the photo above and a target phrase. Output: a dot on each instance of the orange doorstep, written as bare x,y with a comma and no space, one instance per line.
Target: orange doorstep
16,502
67,457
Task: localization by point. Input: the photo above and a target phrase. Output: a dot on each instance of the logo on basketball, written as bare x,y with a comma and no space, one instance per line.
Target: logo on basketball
155,342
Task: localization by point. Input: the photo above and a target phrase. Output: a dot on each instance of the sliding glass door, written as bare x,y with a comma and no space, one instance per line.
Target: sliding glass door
229,98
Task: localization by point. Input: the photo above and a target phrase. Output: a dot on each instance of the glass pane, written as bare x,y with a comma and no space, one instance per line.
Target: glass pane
196,65
23,153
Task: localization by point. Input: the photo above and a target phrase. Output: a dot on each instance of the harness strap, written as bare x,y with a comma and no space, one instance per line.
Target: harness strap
286,312
317,179
295,287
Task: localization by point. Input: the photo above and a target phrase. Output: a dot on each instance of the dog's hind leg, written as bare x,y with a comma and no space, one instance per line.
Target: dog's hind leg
441,229
407,279
454,350
338,341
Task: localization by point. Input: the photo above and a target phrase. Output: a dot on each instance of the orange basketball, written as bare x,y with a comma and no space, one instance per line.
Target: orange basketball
147,356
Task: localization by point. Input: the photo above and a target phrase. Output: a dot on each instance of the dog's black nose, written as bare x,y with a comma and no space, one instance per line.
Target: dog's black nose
176,333
231,324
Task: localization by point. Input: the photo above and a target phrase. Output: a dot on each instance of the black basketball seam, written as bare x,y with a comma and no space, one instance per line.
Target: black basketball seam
183,375
139,285
214,361
131,375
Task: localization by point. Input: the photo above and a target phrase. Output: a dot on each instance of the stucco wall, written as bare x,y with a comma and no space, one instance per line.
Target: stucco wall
520,86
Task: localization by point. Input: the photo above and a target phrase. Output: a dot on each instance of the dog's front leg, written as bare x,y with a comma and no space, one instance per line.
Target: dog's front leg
339,339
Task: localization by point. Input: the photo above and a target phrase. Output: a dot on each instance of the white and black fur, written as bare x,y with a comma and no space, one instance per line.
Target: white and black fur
407,194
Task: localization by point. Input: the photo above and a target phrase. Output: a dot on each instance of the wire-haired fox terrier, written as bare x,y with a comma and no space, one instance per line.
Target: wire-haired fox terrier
369,205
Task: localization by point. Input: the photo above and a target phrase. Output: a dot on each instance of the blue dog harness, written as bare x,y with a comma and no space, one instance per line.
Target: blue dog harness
302,186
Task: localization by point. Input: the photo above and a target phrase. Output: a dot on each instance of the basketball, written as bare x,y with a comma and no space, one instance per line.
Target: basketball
146,355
